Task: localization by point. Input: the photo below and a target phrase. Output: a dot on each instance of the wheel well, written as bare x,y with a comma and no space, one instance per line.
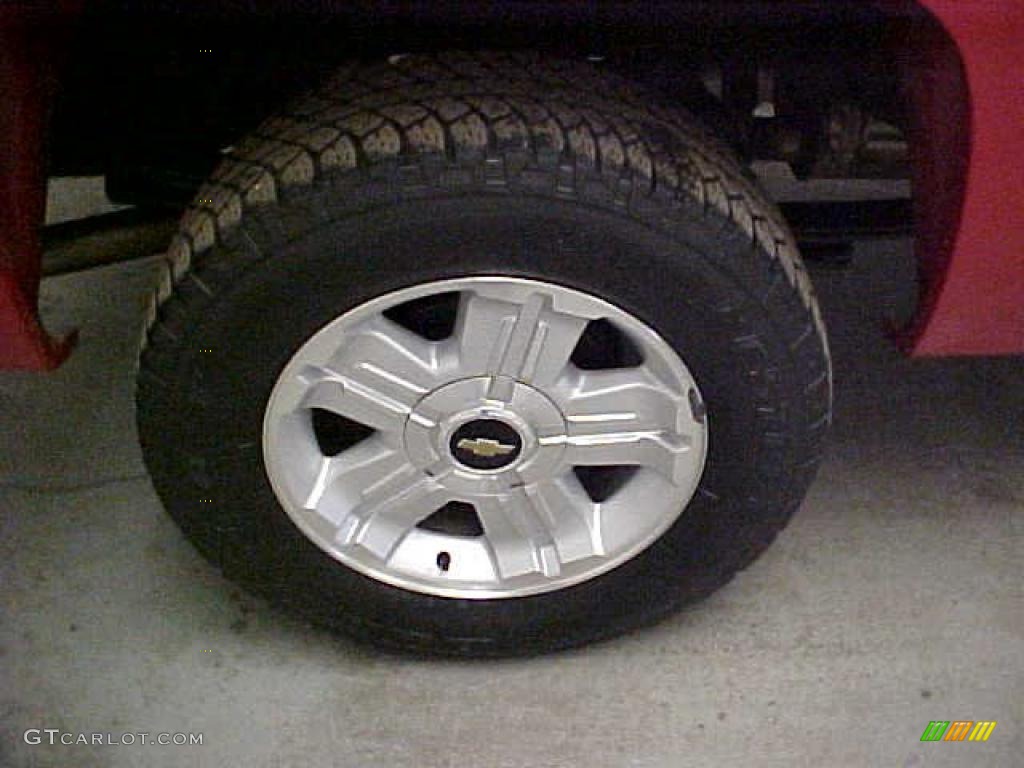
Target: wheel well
152,94
149,79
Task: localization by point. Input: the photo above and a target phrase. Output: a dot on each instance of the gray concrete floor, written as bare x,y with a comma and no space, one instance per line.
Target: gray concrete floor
894,598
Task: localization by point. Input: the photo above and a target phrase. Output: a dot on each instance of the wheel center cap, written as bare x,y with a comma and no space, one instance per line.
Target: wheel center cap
485,444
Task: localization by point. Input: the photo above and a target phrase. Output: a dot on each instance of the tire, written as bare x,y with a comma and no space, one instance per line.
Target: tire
518,170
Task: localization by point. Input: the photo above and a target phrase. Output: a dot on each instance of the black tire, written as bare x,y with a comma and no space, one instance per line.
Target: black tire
454,165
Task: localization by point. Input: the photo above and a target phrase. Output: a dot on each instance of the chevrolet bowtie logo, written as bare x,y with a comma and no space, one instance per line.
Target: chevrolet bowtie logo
484,447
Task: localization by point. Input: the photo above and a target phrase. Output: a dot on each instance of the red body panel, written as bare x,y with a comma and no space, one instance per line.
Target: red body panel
29,49
969,181
973,301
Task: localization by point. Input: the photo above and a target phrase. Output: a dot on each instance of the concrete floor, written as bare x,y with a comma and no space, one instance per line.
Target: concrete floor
894,598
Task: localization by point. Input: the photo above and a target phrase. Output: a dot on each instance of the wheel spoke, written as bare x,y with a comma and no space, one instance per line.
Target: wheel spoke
353,399
527,341
482,329
626,417
338,482
518,533
576,519
670,454
375,379
390,509
371,495
399,359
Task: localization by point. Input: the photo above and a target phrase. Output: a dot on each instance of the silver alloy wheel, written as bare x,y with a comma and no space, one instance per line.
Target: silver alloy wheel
495,416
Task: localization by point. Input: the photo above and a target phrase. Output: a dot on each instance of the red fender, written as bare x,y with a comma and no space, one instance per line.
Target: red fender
30,45
969,184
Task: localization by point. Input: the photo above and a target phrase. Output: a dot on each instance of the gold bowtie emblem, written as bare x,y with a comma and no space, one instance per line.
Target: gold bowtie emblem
484,447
